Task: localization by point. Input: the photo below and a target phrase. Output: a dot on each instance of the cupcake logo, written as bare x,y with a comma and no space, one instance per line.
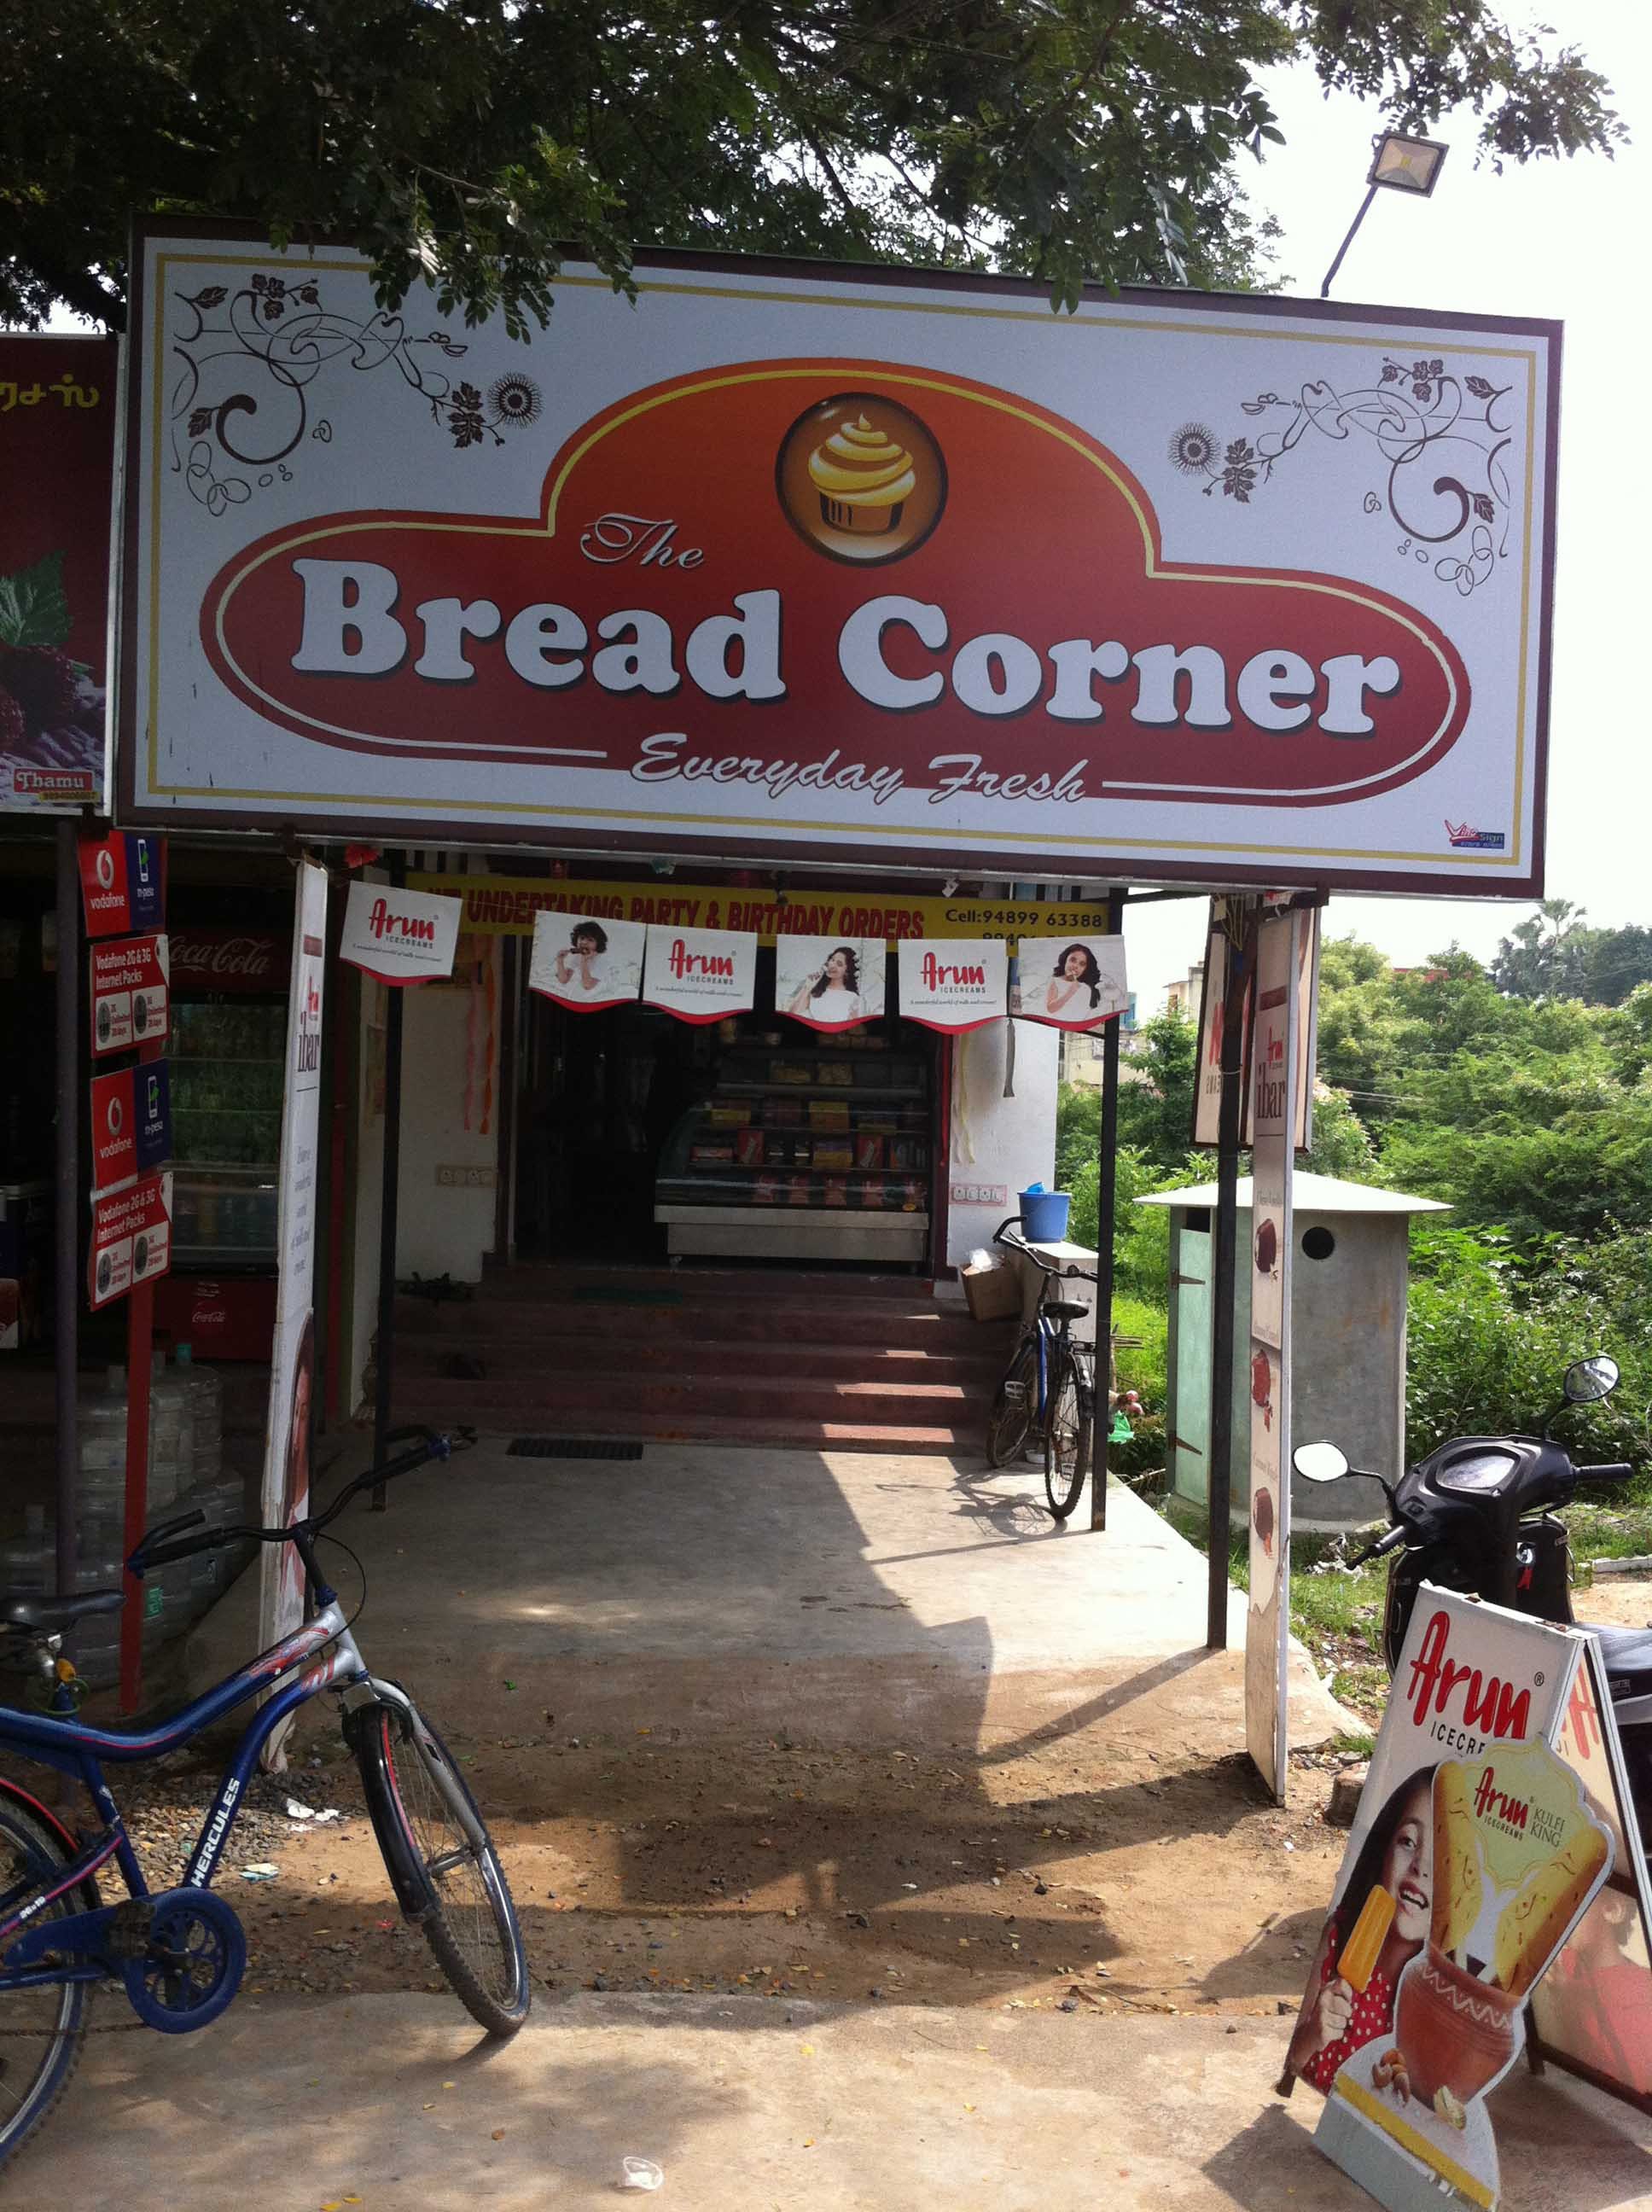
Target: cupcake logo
861,478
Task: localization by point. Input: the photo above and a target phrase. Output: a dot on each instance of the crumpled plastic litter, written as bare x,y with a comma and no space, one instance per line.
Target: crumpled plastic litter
260,1870
641,2173
295,1811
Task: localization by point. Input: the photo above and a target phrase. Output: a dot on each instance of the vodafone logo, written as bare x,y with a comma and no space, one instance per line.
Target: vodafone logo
105,868
116,1117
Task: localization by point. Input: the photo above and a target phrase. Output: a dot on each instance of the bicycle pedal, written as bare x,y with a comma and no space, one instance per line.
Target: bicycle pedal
127,1932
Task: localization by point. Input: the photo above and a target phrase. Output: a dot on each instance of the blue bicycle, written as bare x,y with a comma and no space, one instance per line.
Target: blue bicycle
1048,1394
178,1954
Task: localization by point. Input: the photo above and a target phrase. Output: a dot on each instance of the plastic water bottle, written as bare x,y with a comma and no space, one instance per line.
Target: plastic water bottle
29,1562
206,1390
101,1496
172,1436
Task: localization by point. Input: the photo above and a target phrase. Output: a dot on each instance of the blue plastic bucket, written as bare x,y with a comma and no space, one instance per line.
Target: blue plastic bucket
1044,1216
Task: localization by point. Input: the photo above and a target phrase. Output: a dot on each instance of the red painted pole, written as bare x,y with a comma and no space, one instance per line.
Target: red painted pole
140,1320
140,1344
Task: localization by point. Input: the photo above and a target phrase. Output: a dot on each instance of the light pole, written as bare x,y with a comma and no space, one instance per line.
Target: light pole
1398,164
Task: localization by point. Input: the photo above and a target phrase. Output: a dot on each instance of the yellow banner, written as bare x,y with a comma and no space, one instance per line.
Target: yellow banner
505,906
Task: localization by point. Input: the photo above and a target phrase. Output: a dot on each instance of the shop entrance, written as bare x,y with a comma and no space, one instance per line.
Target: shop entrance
642,1139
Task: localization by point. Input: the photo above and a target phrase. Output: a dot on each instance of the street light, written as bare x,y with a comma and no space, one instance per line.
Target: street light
1398,164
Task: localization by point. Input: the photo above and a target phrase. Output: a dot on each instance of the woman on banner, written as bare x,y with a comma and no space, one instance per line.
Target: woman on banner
1076,972
1398,1857
832,994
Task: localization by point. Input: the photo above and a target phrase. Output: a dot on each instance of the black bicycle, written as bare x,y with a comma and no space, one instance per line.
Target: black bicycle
178,1954
1048,1390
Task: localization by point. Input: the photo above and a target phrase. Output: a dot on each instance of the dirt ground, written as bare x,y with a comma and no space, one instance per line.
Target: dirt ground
1077,1875
1149,1884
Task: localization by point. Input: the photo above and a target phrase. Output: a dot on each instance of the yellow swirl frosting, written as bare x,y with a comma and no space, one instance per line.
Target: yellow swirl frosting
858,466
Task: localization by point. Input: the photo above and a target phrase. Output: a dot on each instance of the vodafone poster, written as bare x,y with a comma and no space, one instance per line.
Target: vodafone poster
954,982
700,974
585,964
1071,982
829,983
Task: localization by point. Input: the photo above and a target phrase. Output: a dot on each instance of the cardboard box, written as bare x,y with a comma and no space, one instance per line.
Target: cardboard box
994,1293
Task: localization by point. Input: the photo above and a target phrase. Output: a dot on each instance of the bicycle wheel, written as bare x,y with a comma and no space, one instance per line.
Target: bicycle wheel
1068,1428
1011,1420
424,1813
44,2029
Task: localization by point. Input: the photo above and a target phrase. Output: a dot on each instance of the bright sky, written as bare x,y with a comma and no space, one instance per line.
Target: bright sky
1567,239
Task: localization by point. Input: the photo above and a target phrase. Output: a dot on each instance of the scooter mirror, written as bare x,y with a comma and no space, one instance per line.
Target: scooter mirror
1589,1379
1319,1462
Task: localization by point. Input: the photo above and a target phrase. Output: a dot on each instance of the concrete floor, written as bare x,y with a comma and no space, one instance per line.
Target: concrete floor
393,2101
830,1594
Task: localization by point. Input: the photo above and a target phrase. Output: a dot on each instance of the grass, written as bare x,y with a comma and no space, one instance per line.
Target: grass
1338,1616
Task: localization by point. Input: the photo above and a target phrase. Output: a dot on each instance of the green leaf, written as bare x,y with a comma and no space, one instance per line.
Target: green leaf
32,608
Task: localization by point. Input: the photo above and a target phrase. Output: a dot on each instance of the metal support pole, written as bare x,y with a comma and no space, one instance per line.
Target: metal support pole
1325,288
1222,1286
389,1192
66,1295
1106,1165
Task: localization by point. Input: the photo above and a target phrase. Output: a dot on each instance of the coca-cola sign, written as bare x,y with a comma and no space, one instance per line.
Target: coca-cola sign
250,960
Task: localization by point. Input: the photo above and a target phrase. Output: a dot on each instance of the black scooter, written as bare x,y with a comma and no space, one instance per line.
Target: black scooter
1477,1517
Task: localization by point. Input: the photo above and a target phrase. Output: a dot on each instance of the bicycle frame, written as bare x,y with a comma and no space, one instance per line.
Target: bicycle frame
72,1748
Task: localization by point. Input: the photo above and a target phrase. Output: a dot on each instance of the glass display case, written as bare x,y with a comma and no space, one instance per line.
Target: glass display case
822,1149
226,1063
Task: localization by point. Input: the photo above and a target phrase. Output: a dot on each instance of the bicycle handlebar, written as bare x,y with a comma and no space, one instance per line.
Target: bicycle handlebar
161,1545
1055,1274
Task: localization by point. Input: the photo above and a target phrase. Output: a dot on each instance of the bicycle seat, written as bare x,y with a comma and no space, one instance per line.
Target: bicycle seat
1066,1309
29,1609
1626,1651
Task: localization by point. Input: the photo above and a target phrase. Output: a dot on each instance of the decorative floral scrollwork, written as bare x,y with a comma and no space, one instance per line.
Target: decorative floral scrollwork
1441,437
250,362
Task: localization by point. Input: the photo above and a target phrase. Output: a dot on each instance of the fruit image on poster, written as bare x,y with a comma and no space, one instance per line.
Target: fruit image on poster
586,962
56,463
1071,982
829,983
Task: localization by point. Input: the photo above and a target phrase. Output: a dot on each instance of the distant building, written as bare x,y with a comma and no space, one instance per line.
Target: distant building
1081,1049
1183,998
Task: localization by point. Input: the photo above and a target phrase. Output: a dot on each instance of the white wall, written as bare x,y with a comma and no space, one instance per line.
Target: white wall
441,1230
997,1139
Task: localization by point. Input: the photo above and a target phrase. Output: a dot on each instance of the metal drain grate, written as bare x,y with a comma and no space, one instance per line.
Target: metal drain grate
571,1448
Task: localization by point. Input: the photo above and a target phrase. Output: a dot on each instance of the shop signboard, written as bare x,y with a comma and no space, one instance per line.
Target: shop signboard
1231,919
131,1124
57,413
954,982
830,983
1071,982
132,1239
585,962
1475,1858
286,1487
841,565
130,985
122,883
400,936
700,975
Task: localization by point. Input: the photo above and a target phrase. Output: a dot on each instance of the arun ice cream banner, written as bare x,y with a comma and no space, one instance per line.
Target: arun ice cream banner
585,962
953,982
1478,1847
400,936
840,564
829,984
1071,982
700,975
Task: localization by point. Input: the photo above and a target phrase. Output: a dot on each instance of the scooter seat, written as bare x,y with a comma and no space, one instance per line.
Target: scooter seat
1626,1651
